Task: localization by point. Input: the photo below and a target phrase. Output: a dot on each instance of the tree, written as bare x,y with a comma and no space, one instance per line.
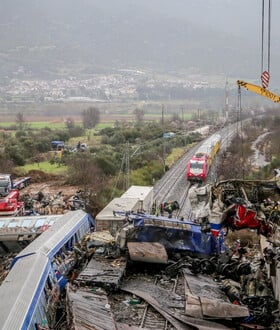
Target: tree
20,121
90,117
70,123
139,115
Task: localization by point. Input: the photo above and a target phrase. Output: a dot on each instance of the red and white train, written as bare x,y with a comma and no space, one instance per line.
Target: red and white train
199,165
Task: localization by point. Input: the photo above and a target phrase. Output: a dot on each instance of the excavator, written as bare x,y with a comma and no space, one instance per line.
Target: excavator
262,90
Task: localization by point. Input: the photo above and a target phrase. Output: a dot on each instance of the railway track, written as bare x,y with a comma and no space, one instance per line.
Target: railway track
174,186
151,318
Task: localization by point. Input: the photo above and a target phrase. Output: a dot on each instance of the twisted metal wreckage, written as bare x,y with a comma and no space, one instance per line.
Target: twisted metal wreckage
225,283
249,274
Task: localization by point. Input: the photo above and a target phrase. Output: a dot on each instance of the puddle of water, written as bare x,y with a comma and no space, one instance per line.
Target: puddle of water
258,159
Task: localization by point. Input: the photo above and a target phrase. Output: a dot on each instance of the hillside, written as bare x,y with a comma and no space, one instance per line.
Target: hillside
66,37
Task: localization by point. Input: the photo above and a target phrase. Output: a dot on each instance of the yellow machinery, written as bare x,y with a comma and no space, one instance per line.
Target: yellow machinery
259,90
263,91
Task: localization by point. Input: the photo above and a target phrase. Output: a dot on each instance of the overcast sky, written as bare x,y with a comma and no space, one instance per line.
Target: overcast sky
222,36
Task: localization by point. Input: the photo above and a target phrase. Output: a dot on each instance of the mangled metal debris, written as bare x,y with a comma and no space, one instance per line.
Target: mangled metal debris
207,300
106,273
169,305
88,308
175,235
147,252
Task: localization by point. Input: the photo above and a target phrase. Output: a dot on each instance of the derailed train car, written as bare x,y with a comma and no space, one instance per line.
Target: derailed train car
199,165
30,292
177,236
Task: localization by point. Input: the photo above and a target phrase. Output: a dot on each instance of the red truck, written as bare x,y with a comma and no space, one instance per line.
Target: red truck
9,194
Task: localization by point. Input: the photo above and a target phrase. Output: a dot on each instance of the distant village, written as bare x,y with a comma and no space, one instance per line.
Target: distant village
123,85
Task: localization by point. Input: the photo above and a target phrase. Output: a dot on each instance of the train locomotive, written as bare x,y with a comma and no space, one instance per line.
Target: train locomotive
199,165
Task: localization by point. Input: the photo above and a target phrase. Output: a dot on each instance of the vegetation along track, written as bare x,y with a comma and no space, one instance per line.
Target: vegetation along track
174,186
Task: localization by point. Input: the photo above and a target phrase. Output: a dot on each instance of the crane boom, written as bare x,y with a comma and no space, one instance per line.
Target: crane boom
259,90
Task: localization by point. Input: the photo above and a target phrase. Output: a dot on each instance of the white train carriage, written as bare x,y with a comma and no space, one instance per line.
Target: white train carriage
32,286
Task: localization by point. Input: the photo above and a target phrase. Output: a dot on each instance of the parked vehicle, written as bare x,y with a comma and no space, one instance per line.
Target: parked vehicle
7,183
200,163
9,194
58,145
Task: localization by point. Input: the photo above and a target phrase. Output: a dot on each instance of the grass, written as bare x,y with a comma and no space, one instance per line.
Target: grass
174,156
46,167
35,125
53,125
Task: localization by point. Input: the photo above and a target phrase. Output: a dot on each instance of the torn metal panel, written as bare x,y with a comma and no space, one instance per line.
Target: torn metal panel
241,204
88,310
169,305
205,299
103,272
147,252
156,305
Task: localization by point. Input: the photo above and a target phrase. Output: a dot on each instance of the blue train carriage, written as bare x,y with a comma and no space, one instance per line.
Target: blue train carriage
61,237
27,293
38,273
175,235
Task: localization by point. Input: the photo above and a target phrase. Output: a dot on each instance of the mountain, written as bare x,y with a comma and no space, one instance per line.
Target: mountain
56,38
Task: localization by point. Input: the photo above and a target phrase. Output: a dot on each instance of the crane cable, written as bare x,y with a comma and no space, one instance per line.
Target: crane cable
265,75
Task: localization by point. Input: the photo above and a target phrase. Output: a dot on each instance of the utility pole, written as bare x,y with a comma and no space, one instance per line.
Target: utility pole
241,129
226,105
163,142
127,167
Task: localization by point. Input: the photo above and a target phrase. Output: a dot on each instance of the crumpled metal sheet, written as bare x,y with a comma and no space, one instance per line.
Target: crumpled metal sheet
89,310
103,272
168,304
147,252
205,299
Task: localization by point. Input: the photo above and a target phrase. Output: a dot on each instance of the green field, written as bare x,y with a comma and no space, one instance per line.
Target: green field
34,125
46,167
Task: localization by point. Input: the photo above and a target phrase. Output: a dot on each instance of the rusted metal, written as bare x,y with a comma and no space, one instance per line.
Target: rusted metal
147,252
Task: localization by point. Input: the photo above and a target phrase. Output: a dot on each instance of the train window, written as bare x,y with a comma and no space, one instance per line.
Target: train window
2,223
197,165
70,244
49,283
43,303
38,317
12,224
41,312
26,223
39,223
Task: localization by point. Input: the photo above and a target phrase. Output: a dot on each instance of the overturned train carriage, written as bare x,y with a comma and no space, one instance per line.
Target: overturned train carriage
30,292
175,235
